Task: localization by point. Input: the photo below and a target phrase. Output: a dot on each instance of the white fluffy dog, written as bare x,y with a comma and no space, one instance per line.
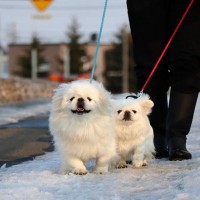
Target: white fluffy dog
82,126
134,132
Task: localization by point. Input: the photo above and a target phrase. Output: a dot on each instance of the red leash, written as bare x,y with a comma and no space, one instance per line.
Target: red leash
167,45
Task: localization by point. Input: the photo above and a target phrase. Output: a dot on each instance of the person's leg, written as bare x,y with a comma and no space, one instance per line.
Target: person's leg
184,57
148,21
179,120
158,122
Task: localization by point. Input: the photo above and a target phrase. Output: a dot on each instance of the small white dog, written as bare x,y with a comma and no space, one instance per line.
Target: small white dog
134,132
82,126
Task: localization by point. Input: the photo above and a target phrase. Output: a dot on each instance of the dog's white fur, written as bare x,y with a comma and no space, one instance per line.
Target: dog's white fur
83,137
134,132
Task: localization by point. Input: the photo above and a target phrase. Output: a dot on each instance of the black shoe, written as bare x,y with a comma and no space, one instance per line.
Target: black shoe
159,154
179,154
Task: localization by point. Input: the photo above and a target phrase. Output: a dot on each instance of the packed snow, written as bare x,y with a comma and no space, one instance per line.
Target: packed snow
160,180
15,112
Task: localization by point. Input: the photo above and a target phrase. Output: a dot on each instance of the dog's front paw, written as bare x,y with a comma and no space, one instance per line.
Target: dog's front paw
121,164
79,171
144,163
140,163
100,170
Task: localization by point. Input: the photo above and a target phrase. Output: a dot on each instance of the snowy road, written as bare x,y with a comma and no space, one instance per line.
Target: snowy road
161,180
14,113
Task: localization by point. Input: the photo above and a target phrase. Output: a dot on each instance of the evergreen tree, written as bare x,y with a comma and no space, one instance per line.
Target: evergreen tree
114,64
76,52
25,61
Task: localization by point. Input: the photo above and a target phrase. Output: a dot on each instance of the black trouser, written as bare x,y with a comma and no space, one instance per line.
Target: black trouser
152,23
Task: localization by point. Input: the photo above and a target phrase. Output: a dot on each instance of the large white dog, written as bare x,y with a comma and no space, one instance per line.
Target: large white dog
81,124
134,132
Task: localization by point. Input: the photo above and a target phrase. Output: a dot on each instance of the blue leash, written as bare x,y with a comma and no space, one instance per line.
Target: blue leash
98,42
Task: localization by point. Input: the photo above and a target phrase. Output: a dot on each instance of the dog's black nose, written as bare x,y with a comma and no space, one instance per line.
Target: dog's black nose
80,99
80,103
127,115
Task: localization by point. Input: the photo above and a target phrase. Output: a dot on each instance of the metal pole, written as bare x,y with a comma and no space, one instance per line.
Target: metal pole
34,64
66,59
1,62
125,62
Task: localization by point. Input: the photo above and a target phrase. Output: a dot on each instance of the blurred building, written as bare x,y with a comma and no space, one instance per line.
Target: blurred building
56,59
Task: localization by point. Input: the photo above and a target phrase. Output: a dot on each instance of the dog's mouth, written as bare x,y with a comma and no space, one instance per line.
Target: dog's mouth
126,120
80,110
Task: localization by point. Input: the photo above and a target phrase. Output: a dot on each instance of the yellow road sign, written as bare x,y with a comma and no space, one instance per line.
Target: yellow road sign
41,5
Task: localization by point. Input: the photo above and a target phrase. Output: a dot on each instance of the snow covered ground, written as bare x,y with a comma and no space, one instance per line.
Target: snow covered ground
161,180
15,112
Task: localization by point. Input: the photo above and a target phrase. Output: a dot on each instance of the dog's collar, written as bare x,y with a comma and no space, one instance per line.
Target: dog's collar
134,96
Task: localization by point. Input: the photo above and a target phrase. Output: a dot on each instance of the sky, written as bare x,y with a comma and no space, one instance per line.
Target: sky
160,180
22,18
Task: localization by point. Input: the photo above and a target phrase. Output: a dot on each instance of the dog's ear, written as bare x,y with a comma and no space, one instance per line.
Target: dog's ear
104,95
147,106
58,97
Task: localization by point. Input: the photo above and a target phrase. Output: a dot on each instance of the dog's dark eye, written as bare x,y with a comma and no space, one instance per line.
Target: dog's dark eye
72,98
89,98
119,111
134,111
